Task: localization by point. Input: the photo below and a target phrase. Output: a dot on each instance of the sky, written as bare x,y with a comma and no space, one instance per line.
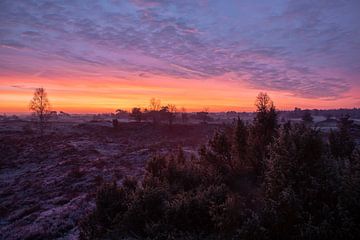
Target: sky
98,56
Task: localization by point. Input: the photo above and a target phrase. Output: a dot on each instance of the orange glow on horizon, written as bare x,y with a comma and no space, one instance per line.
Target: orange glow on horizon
108,94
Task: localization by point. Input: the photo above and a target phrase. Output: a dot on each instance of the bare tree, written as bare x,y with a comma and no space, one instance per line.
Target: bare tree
155,104
263,102
154,110
40,105
172,113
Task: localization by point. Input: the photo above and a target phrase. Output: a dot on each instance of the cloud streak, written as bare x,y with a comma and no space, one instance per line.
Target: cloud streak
304,48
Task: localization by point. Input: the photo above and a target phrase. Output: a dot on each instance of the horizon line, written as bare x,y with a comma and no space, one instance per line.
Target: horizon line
97,113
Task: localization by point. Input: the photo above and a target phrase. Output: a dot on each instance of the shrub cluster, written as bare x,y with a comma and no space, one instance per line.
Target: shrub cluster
251,181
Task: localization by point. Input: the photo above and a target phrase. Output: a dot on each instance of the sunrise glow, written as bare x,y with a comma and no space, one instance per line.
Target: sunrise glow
98,57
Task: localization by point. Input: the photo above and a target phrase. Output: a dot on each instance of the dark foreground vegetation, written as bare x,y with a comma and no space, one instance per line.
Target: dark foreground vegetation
251,181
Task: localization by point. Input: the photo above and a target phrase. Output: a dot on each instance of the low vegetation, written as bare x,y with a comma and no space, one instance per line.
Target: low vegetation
251,181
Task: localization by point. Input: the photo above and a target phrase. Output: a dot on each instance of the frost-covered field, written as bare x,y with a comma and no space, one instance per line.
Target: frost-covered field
47,183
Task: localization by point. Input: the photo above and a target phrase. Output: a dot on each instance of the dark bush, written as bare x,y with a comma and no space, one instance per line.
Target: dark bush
255,181
147,206
115,123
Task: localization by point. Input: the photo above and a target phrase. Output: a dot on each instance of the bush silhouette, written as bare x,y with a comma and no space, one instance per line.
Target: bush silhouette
293,187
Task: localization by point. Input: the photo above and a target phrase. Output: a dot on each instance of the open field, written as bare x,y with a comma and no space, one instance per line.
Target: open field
48,183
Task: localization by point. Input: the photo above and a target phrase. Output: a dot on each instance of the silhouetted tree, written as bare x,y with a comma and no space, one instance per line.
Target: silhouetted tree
167,113
154,109
155,104
172,113
121,113
136,114
40,105
262,131
297,112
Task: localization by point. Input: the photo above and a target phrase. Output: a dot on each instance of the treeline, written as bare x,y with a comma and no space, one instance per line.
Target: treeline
328,113
156,112
259,180
167,113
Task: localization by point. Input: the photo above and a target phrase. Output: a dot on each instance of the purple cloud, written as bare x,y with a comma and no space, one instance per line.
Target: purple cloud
306,48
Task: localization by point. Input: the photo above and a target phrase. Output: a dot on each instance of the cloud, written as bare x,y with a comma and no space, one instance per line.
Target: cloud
304,48
11,44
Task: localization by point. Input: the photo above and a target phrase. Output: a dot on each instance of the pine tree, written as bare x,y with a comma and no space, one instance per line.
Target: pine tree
240,144
300,187
341,141
262,132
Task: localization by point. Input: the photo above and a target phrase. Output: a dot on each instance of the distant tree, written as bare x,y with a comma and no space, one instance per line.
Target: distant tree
40,105
263,130
64,114
231,113
265,120
155,104
167,113
154,110
136,114
121,113
172,113
306,117
297,112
